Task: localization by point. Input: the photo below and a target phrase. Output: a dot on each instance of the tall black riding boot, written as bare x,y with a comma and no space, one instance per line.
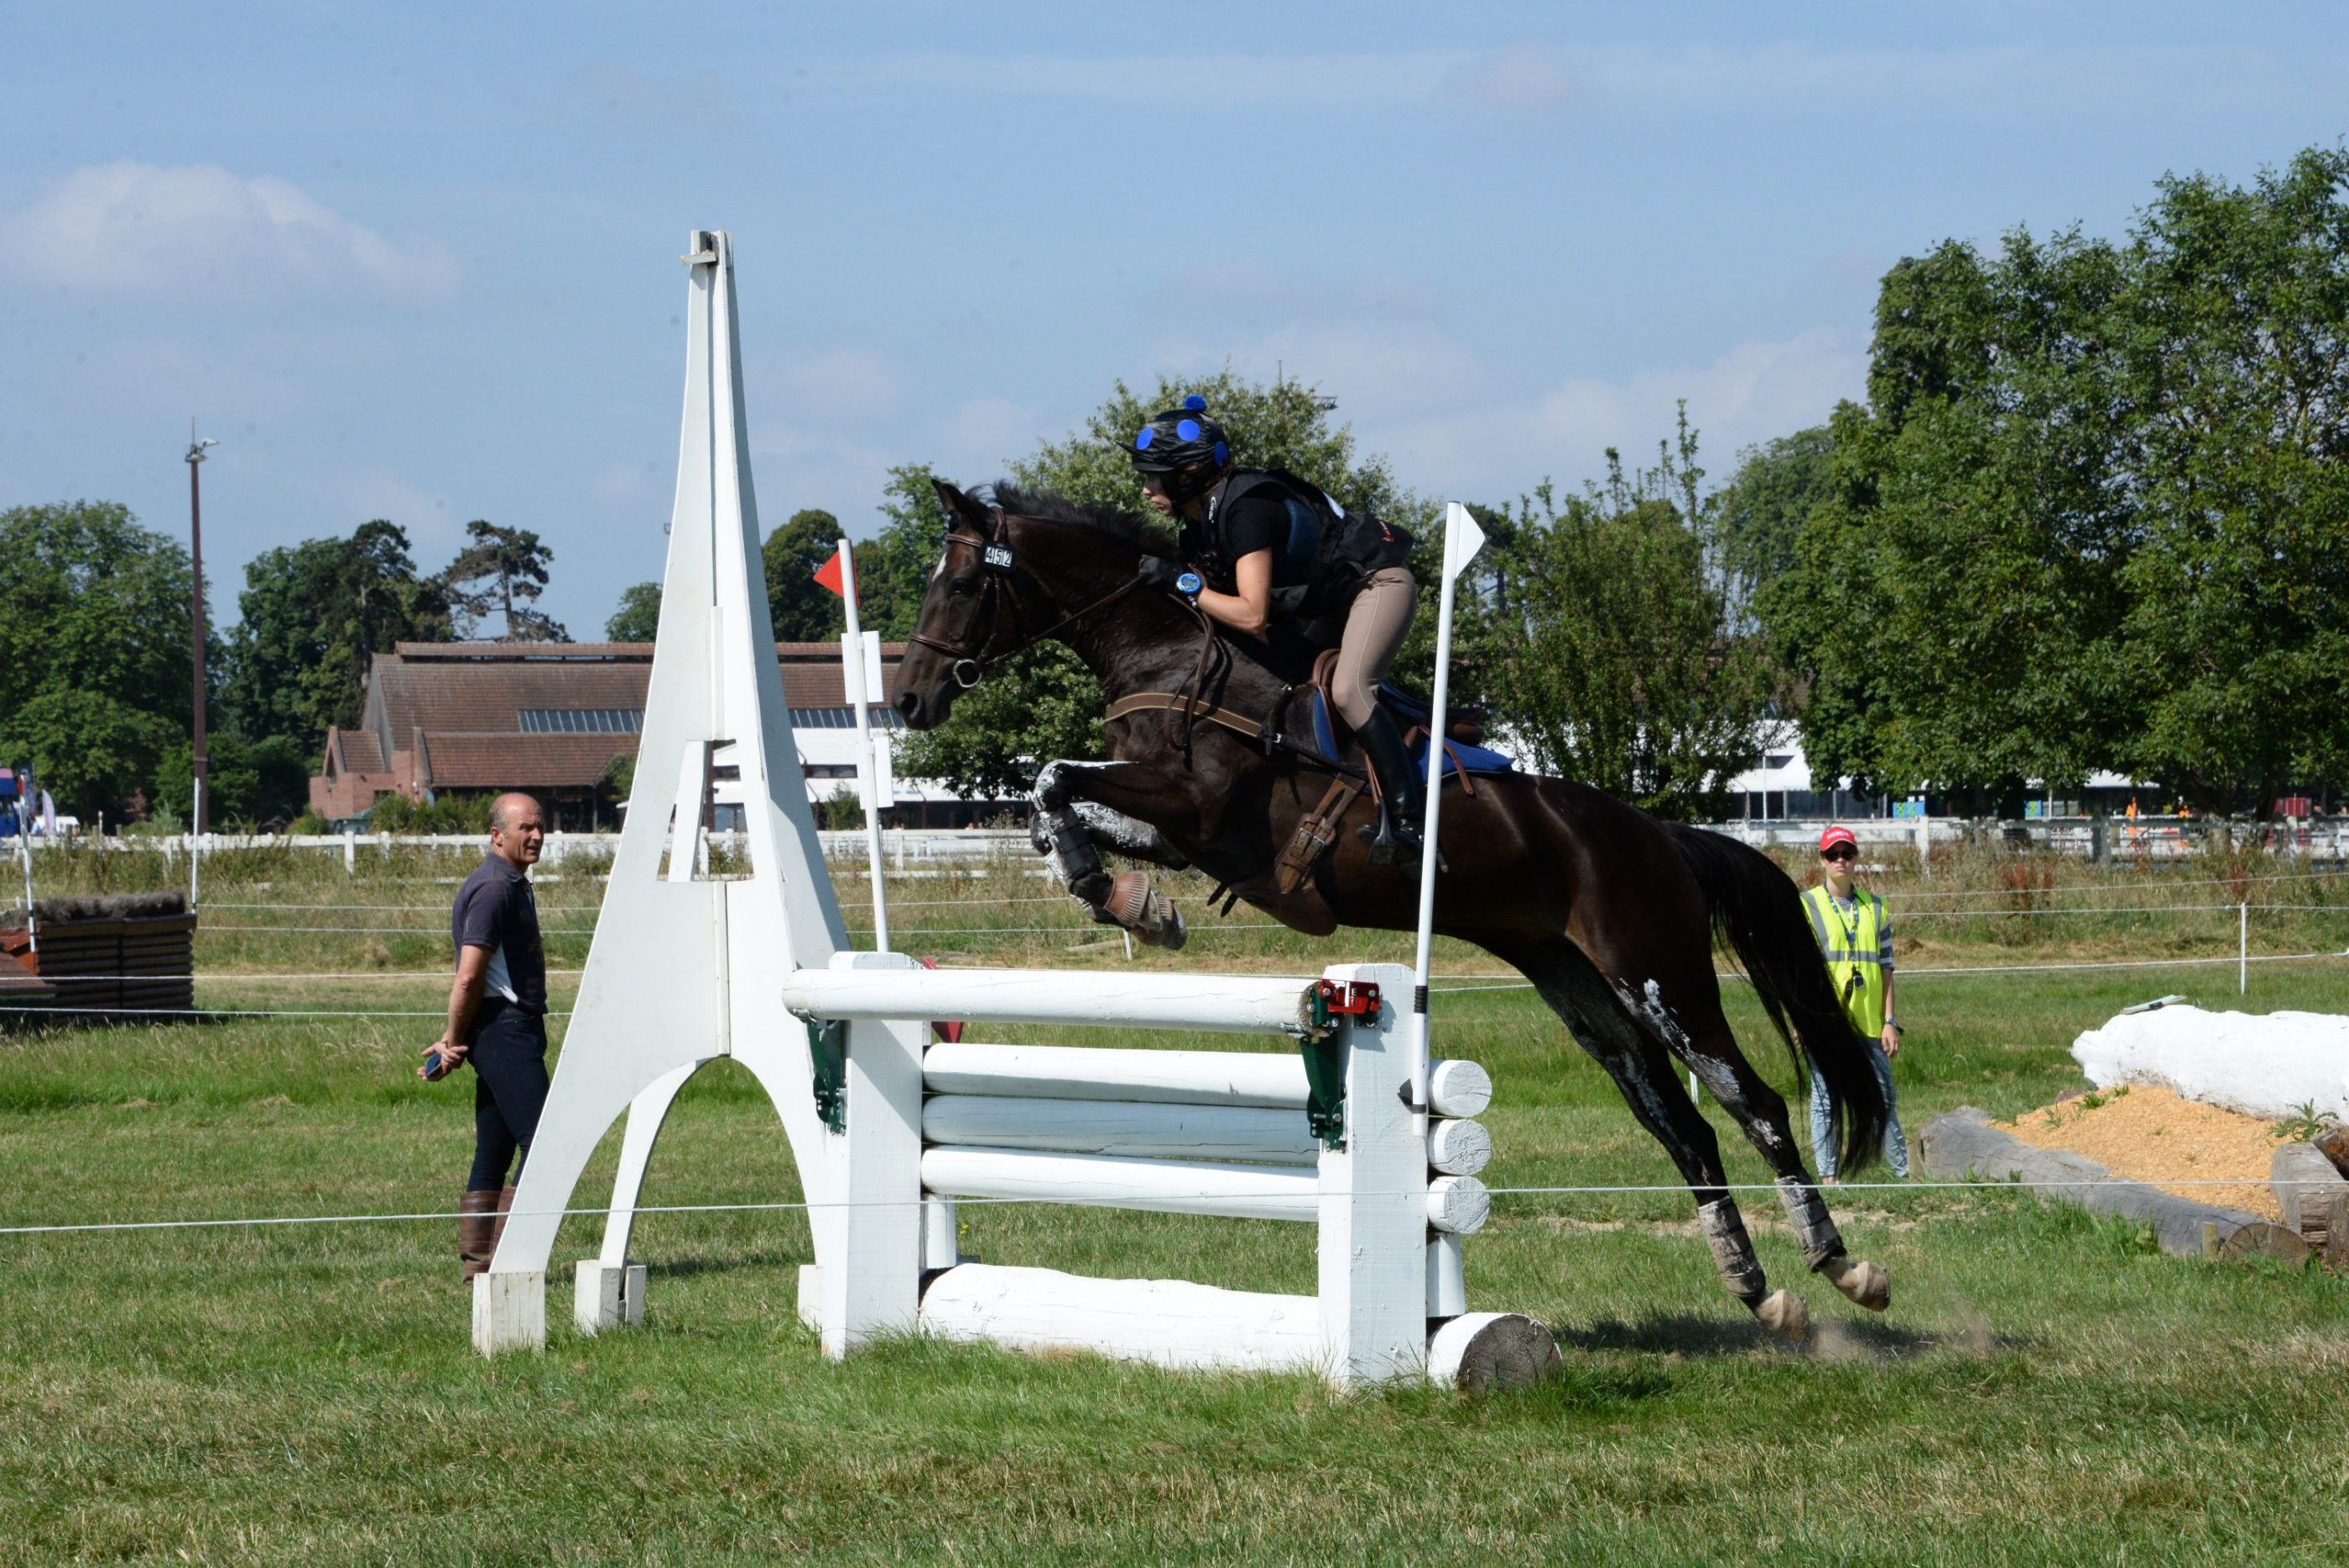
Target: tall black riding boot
1396,841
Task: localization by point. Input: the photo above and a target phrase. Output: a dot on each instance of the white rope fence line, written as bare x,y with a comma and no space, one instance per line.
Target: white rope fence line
444,909
1593,1190
1466,984
1741,976
2136,910
2197,882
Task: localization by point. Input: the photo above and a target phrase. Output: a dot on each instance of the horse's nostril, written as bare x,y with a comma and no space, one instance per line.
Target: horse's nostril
905,704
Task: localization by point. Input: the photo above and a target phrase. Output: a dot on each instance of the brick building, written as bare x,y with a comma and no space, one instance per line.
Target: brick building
552,718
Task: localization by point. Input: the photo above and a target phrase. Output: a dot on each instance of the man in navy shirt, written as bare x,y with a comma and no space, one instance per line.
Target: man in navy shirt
497,1019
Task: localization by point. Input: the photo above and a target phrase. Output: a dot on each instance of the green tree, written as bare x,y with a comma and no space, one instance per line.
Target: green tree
1778,485
1625,673
893,568
803,610
252,784
94,622
2095,513
639,618
313,618
1046,704
2233,341
501,571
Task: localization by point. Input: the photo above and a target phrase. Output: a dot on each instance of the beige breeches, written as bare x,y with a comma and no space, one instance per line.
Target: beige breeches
1376,624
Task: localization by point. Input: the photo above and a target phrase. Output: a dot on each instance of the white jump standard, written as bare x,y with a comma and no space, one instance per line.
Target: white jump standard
1347,1124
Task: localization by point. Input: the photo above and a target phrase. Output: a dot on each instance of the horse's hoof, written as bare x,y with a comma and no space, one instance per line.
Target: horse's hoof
1783,1315
1145,911
1866,1283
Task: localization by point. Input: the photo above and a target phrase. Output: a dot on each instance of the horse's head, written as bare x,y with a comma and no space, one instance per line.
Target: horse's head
1009,577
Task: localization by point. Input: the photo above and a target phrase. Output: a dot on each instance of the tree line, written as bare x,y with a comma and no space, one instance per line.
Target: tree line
2092,515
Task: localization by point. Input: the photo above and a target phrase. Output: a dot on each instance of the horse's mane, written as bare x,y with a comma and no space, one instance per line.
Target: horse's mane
1126,527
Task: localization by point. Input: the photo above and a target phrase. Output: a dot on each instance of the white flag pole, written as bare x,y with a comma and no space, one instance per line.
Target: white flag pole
1462,539
852,669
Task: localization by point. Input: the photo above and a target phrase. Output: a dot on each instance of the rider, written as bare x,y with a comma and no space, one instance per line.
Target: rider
1271,549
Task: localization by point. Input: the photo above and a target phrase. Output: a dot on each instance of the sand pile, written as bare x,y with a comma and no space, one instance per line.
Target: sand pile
2151,1134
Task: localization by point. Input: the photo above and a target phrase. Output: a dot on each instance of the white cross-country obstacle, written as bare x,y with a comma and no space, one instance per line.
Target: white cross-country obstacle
1347,1124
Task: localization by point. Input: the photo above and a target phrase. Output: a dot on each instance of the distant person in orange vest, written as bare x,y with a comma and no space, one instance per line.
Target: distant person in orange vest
1854,937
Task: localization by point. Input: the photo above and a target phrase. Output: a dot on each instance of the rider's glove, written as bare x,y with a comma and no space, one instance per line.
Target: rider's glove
1159,572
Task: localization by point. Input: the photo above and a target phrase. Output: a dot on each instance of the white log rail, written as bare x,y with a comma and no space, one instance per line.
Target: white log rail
1206,1004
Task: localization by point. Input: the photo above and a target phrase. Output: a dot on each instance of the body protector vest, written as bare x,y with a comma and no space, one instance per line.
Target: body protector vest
1853,947
1320,561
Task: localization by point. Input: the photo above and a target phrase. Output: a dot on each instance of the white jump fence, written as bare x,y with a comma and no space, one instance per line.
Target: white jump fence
1350,1129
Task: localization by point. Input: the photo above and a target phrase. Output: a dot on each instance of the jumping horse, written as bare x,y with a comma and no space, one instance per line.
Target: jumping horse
1612,914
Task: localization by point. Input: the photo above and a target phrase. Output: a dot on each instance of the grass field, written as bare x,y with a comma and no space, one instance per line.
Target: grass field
2046,1388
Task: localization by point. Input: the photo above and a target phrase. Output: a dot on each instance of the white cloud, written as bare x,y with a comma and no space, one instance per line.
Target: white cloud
132,228
1751,391
1527,75
1177,80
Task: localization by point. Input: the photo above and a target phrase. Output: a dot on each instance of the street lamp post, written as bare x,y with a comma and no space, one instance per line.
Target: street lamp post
204,803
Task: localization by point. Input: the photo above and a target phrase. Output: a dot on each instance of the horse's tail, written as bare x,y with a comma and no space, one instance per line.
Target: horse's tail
1757,912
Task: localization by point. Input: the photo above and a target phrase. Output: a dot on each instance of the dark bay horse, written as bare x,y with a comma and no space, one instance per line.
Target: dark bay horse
1610,913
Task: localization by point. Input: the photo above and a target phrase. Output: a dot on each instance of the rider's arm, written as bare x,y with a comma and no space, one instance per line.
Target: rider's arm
1248,611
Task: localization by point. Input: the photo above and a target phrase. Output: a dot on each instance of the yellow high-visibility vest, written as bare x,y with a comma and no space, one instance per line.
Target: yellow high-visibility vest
1853,947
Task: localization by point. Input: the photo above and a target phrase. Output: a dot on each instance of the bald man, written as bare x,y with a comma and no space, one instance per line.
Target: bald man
497,1021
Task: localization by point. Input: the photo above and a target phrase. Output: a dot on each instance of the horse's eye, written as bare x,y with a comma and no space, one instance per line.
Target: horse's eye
961,588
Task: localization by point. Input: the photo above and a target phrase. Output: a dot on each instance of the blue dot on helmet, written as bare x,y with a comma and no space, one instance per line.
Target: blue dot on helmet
1142,442
1194,402
1222,451
1188,429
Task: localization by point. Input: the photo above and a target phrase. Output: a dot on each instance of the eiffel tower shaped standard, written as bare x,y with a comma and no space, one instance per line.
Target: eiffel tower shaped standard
660,995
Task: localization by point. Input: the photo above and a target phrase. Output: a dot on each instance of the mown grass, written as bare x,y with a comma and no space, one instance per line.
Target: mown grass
2047,1388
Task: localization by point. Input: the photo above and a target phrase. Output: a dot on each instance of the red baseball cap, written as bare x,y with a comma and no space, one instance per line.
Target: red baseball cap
1838,833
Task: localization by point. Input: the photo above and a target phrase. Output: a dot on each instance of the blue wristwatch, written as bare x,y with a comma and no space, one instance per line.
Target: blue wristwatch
1189,583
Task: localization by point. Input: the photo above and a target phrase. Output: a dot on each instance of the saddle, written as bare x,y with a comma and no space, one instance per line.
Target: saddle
1320,741
1462,756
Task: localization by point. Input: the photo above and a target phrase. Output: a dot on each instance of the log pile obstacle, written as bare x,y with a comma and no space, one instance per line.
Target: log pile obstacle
1348,1127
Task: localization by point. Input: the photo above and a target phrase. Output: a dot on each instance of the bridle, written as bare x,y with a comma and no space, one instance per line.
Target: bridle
998,563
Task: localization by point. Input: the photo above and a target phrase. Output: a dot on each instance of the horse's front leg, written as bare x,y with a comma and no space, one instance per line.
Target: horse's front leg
1072,819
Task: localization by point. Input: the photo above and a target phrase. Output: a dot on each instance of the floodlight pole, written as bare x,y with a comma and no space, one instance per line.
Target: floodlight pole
196,606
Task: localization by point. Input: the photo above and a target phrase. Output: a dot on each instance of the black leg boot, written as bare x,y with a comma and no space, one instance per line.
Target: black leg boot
1396,841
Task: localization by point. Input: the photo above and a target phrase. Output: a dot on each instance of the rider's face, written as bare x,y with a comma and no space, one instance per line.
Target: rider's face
1153,487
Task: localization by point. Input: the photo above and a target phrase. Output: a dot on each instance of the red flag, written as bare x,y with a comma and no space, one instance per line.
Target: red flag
829,573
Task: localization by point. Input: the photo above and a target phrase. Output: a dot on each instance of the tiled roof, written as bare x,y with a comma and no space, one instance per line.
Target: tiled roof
357,750
479,688
518,761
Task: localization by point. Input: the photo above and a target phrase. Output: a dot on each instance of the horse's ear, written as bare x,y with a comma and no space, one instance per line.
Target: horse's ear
959,506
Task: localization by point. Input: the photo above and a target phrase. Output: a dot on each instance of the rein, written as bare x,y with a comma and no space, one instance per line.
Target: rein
978,661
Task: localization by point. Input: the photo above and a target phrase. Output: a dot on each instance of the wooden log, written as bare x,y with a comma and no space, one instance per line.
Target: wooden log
1226,1004
1455,1203
2305,1184
1125,1129
2260,1238
1458,1088
1167,1322
1484,1352
2334,1146
1961,1143
1160,1186
1459,1149
1265,1078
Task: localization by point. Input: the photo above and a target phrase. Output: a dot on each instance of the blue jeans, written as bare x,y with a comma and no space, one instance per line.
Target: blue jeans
1823,1149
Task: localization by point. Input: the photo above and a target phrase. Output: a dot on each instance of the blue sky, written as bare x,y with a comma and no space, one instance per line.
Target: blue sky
420,262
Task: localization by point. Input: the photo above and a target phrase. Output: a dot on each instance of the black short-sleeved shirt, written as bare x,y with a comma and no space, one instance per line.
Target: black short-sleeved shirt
1257,520
496,910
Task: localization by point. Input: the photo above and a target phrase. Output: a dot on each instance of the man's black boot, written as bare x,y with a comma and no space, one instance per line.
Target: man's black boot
1396,841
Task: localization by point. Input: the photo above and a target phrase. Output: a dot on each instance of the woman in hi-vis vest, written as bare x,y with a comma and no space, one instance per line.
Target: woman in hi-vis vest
1855,937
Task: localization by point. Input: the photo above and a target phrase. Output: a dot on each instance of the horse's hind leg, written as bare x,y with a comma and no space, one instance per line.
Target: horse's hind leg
1710,1049
1634,1058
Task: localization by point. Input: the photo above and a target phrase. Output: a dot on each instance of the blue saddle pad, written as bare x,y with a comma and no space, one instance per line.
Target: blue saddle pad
1459,759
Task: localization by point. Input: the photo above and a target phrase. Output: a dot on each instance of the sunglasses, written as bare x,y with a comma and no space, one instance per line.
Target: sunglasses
1841,852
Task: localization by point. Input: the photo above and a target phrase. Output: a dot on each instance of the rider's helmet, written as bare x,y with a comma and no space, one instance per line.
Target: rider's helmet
1183,444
